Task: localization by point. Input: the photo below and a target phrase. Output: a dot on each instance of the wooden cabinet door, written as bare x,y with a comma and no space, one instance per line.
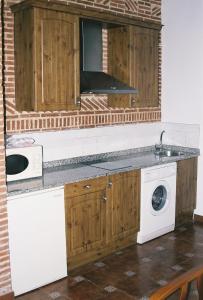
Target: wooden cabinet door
123,205
24,59
57,60
186,190
85,205
119,63
133,59
46,60
144,58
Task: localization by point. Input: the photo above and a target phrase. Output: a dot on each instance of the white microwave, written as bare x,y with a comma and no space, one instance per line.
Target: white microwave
23,162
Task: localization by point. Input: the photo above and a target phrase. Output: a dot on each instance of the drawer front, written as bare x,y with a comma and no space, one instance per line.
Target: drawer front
85,186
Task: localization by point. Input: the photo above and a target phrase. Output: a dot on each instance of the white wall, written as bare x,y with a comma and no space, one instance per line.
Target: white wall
182,69
79,142
72,143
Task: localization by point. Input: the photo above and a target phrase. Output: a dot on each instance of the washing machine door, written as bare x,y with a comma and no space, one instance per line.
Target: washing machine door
160,198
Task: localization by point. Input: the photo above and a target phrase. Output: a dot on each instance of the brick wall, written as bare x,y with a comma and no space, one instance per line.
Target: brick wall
94,111
5,283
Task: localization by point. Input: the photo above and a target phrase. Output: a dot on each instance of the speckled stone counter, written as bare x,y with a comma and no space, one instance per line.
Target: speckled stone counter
58,173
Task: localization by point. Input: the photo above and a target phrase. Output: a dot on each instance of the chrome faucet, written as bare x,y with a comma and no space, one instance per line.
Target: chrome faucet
158,147
161,137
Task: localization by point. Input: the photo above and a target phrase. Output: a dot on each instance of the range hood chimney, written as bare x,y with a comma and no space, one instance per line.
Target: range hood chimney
92,78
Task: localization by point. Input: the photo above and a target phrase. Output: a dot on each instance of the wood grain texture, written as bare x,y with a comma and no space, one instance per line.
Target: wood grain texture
119,63
57,60
144,65
181,283
47,58
102,215
86,186
133,59
124,207
85,210
24,53
186,188
198,219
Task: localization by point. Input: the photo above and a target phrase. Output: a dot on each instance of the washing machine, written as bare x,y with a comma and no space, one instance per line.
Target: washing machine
158,201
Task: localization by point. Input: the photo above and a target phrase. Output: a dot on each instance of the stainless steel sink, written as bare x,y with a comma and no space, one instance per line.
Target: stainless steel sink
168,153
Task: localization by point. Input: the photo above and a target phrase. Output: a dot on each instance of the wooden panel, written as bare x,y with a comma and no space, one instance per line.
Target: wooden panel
133,59
118,63
86,186
57,60
97,254
102,215
188,285
198,219
86,220
23,39
124,205
144,61
46,60
186,190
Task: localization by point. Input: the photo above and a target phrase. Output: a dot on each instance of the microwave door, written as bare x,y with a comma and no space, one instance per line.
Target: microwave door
15,164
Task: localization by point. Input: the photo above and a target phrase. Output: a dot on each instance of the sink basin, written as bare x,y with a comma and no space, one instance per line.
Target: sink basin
168,153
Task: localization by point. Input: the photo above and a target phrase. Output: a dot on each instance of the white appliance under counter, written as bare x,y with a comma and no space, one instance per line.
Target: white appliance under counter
37,240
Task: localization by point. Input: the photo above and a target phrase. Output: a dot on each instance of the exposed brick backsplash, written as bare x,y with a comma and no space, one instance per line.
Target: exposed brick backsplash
94,111
87,117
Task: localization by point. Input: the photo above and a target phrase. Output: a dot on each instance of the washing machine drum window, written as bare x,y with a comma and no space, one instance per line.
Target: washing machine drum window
159,198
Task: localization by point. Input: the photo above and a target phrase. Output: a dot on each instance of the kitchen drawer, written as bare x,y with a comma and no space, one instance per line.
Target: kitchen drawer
85,186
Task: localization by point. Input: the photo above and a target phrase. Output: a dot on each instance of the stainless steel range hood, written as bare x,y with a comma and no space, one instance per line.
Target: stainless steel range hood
92,78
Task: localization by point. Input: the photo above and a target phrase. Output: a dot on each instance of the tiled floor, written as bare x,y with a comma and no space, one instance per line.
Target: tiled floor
132,273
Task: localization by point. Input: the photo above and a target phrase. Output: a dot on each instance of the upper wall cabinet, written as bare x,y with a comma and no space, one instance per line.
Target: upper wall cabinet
46,60
133,58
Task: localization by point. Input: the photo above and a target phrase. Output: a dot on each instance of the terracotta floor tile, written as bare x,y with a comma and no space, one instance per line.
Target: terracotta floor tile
119,295
83,269
62,286
85,290
35,295
138,286
103,278
133,273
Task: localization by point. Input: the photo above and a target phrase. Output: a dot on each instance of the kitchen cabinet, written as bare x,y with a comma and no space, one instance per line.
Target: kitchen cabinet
186,190
37,240
102,215
124,194
85,207
46,60
134,59
47,63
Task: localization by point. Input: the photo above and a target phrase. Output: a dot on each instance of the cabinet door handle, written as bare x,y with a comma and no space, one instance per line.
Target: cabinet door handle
78,101
104,198
87,186
133,102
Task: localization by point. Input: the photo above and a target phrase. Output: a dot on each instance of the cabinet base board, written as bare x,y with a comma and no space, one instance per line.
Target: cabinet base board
198,219
184,218
90,256
9,296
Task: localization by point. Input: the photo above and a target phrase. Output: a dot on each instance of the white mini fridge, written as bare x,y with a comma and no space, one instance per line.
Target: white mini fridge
37,239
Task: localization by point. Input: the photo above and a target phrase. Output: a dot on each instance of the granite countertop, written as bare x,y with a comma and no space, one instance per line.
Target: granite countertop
58,173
